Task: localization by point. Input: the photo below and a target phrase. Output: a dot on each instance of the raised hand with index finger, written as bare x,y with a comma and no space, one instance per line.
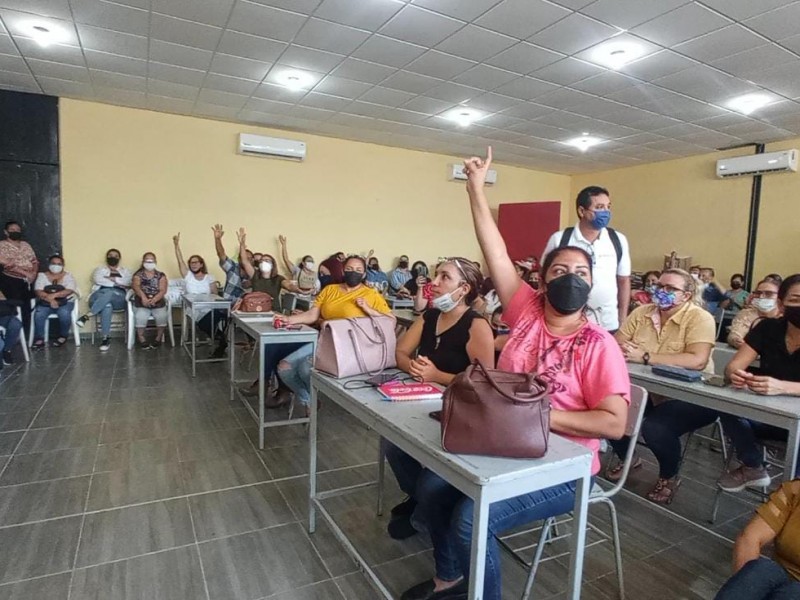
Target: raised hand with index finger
475,168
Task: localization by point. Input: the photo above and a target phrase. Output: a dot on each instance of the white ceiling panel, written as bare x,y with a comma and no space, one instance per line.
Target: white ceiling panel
522,18
386,51
236,66
627,14
476,43
105,40
410,82
111,16
524,58
183,56
438,64
681,24
420,26
459,9
385,71
779,23
210,13
265,21
573,34
187,33
250,46
363,15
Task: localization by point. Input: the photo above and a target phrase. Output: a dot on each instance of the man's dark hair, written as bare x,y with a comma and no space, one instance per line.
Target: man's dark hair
584,199
10,223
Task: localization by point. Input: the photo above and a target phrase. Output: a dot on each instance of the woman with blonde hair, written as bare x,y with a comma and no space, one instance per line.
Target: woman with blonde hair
674,330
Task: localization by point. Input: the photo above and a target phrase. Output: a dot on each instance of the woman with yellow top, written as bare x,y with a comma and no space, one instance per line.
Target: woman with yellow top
347,300
674,330
755,578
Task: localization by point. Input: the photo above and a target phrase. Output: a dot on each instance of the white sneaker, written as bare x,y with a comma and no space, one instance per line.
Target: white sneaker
105,344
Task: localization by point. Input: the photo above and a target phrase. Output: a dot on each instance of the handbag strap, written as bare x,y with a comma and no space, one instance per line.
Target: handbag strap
380,341
477,364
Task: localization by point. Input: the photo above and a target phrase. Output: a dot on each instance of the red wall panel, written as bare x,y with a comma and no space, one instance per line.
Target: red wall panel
526,226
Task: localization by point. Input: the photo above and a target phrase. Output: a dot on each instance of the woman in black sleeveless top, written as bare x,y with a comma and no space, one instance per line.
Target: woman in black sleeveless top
438,346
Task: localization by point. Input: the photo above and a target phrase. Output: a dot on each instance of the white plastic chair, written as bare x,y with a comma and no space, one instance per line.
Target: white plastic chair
22,340
132,322
75,299
597,495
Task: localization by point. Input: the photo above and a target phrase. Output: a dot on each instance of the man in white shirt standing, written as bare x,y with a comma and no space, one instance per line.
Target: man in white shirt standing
611,258
110,283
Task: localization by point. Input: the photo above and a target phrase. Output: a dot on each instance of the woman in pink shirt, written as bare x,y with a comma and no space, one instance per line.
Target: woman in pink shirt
589,390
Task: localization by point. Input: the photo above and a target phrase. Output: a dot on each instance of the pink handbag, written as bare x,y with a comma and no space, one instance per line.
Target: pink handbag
354,346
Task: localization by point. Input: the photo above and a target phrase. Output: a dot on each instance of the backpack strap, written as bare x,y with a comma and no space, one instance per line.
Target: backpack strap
617,243
565,237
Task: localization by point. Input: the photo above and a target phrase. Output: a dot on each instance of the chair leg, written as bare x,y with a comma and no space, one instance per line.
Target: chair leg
537,557
381,471
25,352
612,510
721,433
715,506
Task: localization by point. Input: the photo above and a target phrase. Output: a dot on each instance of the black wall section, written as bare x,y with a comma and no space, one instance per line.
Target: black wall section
30,190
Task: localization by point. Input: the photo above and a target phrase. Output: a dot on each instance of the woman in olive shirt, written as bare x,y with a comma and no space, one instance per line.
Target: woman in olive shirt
755,578
266,278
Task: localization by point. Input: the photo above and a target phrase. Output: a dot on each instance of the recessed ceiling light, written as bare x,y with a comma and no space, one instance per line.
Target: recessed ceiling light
584,142
749,102
44,33
617,54
463,116
294,80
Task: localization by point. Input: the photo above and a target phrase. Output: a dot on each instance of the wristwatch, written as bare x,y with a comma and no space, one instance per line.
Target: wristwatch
646,358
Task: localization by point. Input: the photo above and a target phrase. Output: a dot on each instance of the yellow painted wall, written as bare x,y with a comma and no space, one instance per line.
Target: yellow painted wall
133,178
681,205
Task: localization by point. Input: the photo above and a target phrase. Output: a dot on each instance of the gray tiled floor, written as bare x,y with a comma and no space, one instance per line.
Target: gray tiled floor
122,478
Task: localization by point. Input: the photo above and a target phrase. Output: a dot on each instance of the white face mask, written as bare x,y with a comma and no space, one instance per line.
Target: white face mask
56,268
764,305
265,267
446,302
149,265
309,264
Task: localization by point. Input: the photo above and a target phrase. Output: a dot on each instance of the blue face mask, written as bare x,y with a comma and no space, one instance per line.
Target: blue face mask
601,219
664,300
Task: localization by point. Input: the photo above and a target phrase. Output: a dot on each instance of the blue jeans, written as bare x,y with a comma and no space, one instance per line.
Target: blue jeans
9,339
406,469
273,354
41,313
295,372
104,302
662,430
745,435
448,516
760,579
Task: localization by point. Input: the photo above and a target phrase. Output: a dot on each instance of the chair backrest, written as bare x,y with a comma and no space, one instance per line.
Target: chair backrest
632,428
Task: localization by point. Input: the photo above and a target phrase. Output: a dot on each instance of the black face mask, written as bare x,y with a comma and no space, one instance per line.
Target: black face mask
736,285
568,293
374,267
15,236
403,264
352,278
112,261
792,314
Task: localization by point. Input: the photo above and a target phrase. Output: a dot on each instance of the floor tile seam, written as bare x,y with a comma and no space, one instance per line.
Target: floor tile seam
197,549
306,586
35,416
83,523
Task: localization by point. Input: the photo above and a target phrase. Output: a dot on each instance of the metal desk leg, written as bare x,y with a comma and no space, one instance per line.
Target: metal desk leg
792,447
232,349
193,325
312,461
578,538
480,531
381,471
261,391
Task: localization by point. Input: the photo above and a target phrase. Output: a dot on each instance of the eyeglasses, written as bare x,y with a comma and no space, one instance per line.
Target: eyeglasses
667,288
765,294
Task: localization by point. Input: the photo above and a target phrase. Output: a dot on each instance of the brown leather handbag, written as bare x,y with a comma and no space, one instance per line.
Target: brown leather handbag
496,413
256,302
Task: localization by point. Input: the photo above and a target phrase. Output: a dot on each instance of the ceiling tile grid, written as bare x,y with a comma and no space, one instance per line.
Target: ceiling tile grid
388,71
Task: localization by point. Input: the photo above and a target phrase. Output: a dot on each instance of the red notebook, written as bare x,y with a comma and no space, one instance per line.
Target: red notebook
401,392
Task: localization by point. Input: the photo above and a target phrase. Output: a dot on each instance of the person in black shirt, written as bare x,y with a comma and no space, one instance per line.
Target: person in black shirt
777,343
439,345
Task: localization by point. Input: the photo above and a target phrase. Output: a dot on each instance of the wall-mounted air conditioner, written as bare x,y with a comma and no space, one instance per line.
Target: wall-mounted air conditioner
758,164
260,145
456,173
